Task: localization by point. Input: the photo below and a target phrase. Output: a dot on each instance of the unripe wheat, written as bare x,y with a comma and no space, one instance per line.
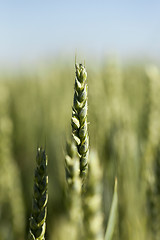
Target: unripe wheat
79,118
74,190
92,202
40,198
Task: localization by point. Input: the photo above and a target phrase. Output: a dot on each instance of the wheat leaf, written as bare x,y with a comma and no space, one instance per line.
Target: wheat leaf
113,215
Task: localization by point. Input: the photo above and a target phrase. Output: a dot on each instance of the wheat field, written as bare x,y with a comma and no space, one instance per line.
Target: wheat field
123,141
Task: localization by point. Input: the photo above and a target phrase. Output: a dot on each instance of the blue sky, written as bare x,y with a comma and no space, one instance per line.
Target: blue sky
34,30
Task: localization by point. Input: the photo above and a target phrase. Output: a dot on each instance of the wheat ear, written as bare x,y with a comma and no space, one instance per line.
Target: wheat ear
72,168
74,183
79,118
92,201
40,198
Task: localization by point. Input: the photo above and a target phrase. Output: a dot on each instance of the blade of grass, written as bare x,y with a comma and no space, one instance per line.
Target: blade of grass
113,215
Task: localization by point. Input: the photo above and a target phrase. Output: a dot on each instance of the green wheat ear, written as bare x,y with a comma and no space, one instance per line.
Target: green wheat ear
92,200
74,188
72,169
79,118
40,198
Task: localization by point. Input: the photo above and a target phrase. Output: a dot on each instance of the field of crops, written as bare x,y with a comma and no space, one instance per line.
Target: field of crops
124,137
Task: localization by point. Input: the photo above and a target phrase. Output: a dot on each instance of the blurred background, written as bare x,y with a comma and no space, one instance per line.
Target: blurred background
119,43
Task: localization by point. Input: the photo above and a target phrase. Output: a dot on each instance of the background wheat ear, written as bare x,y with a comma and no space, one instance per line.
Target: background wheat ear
152,155
92,200
72,169
40,198
74,190
79,118
12,205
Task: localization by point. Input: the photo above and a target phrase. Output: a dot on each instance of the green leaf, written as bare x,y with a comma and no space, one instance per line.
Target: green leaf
113,215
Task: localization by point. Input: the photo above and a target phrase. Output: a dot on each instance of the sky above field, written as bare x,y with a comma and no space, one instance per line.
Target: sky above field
34,30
